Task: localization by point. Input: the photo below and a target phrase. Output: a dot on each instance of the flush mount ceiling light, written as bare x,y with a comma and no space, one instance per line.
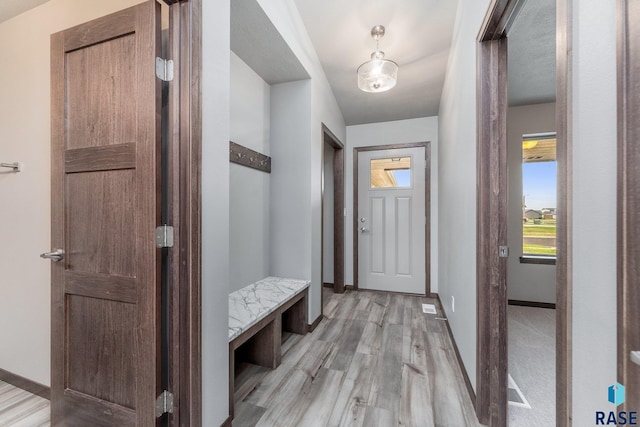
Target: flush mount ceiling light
378,74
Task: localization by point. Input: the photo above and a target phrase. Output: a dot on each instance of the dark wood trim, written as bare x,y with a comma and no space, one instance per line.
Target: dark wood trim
427,189
25,384
314,325
492,193
354,228
465,375
393,146
329,138
491,216
184,193
628,275
529,259
227,422
531,304
327,285
241,155
564,235
499,18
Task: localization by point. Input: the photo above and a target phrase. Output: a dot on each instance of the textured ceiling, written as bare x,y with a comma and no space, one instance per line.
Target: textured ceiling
257,42
11,8
418,37
532,54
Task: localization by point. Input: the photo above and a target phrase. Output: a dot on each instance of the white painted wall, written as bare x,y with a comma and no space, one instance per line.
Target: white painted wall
526,282
290,210
215,211
26,199
323,109
397,132
248,188
457,179
594,191
328,220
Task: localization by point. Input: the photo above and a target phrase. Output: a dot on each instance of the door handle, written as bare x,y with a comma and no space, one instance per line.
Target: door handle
635,357
55,256
362,229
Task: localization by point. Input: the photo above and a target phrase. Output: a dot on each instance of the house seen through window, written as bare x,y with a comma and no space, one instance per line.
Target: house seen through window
539,194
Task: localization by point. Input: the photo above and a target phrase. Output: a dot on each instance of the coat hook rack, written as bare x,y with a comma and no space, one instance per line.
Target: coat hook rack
16,166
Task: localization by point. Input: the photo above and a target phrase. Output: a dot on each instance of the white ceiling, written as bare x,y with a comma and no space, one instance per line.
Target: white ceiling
418,37
532,54
11,8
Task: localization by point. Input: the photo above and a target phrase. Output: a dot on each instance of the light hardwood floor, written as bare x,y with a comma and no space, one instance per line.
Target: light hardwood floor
374,360
19,408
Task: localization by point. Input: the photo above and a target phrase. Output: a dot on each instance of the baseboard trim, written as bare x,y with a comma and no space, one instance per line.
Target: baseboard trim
227,422
465,375
25,384
327,285
314,325
433,295
532,304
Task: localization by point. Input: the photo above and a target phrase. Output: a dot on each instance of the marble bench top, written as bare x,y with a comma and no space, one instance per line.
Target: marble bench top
253,303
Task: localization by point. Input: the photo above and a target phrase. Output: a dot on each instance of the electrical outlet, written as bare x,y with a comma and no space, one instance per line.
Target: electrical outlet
453,304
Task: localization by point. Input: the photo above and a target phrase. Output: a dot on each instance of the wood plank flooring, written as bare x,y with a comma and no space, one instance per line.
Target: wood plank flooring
374,360
19,408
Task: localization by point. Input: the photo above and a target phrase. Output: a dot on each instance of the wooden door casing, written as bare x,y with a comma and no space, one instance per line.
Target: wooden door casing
628,251
105,139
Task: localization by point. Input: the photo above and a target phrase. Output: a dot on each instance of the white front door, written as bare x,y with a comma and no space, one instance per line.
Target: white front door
392,220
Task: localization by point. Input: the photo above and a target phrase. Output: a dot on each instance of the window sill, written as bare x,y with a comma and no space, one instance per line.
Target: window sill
538,259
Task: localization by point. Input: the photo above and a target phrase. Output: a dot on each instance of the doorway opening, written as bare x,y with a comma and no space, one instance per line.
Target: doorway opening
492,214
332,264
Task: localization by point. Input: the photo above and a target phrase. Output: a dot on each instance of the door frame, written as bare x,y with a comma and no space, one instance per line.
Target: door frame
628,246
427,208
185,207
330,139
491,270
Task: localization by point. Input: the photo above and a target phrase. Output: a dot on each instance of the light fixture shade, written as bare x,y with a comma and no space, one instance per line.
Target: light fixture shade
377,75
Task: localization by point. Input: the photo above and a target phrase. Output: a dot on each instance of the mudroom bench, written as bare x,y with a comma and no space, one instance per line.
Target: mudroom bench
258,314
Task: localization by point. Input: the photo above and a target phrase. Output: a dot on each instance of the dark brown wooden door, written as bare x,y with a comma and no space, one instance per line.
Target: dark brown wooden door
105,208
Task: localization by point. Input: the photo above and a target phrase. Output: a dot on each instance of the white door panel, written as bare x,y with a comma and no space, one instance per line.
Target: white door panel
391,204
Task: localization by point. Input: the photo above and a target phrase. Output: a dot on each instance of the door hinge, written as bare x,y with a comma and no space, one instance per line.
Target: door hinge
164,69
503,251
164,404
164,236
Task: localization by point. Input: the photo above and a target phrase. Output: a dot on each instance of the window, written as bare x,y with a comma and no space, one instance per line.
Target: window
539,195
393,172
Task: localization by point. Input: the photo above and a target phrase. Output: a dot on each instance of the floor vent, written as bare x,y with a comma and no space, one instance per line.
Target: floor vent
429,308
515,396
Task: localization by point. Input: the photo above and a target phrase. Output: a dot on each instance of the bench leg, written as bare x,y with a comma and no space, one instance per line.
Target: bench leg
232,375
264,348
295,318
